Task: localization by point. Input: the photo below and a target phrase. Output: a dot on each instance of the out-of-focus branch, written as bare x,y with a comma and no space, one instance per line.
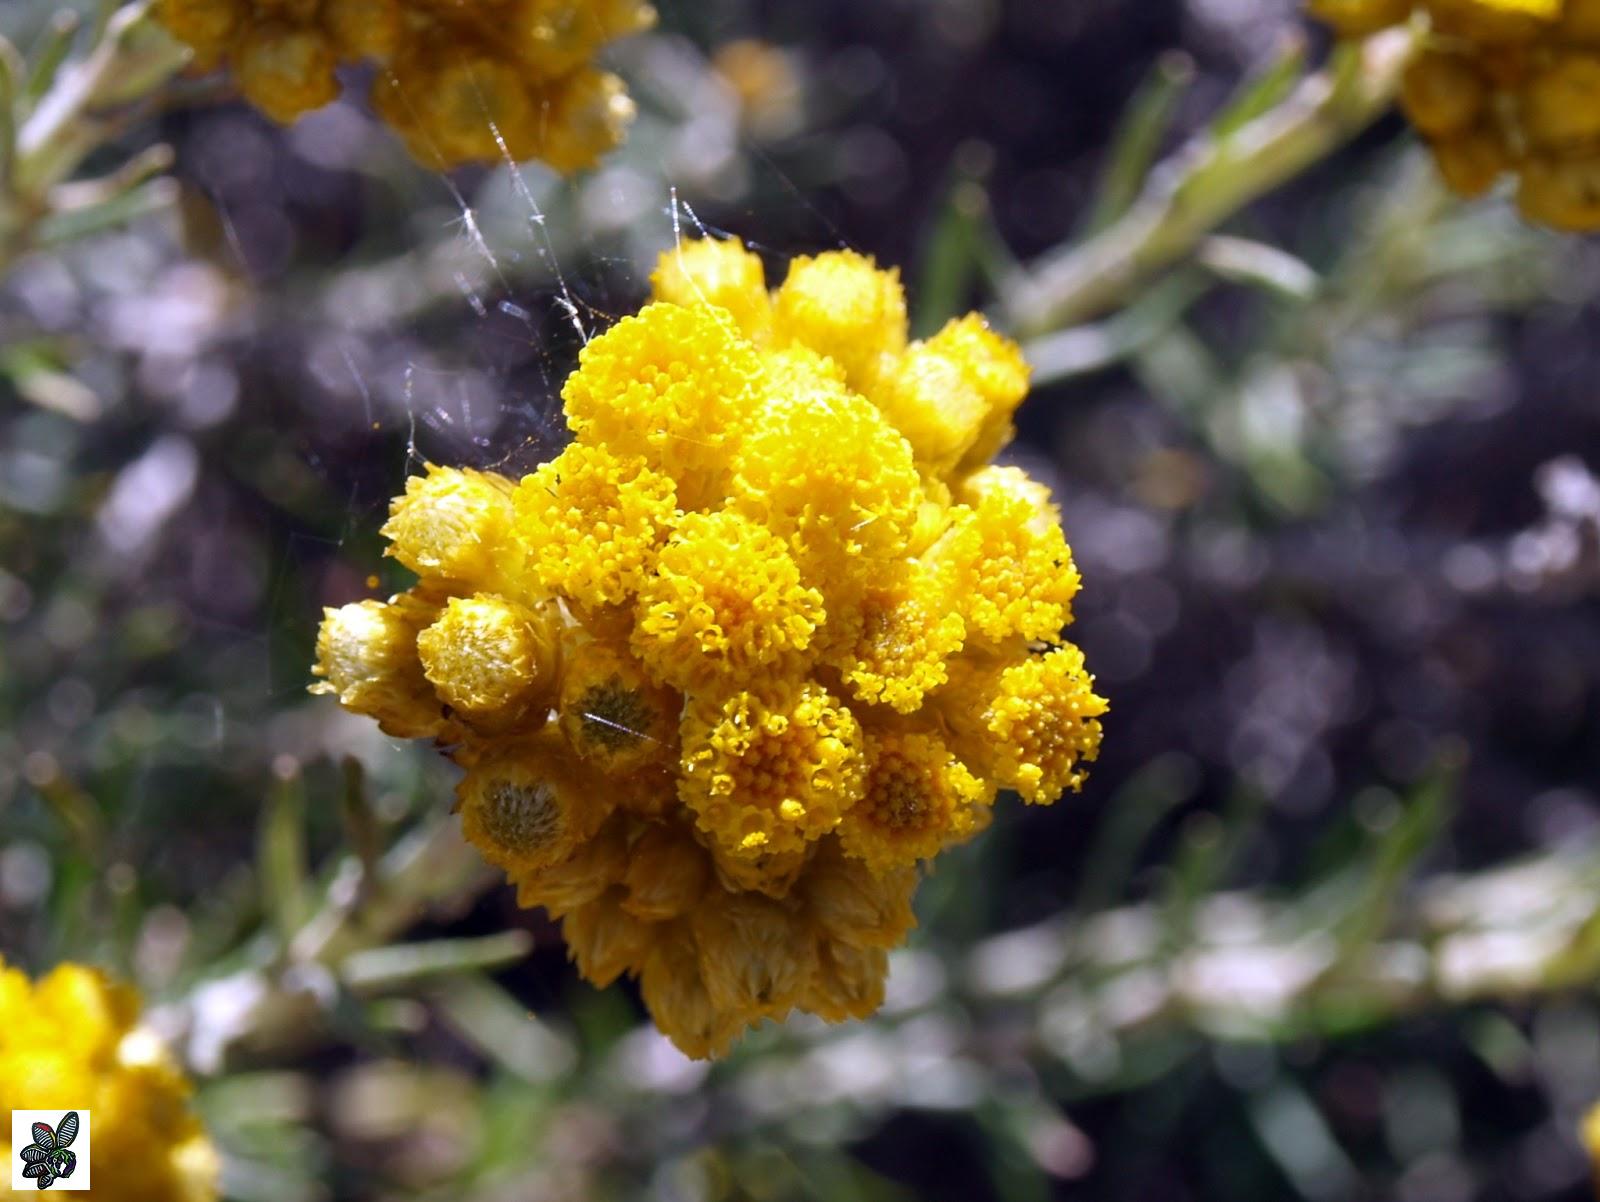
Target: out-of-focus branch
85,104
1204,185
291,994
1257,969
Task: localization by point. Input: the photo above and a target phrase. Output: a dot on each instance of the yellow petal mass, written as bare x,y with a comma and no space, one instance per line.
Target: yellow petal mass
783,609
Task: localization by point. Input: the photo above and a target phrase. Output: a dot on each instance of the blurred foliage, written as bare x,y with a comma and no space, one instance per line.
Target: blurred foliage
1321,927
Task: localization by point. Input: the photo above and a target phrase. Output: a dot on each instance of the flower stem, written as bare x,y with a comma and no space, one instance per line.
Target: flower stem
1205,184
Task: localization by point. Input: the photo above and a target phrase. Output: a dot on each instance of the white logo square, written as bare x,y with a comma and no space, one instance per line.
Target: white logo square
50,1146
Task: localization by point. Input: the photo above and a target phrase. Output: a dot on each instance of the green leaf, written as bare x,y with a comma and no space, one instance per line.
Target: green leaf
286,892
1264,92
67,1129
1138,139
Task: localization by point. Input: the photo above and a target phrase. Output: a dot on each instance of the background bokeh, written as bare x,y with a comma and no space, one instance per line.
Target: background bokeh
1341,553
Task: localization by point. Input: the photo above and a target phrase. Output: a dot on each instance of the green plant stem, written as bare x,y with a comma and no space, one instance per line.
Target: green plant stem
1206,184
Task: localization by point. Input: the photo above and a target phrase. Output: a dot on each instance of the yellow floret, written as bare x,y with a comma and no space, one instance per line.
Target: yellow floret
668,873
725,604
1561,103
848,983
72,1042
595,866
526,806
824,469
919,799
842,306
772,873
720,272
592,522
455,524
582,117
1563,193
1010,573
364,28
995,368
494,661
1443,92
930,398
285,71
850,903
891,645
756,956
674,385
604,940
206,26
1033,726
1470,162
677,997
770,769
367,655
612,713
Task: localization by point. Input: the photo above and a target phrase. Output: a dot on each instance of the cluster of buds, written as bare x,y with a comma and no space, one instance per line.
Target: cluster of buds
459,82
1502,87
71,1042
770,633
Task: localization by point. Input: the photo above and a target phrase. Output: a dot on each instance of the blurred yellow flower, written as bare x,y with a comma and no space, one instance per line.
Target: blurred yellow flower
72,1041
793,627
1502,87
459,82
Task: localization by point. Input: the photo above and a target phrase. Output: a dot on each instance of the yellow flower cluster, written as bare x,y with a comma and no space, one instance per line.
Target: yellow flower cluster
461,82
1503,87
71,1042
768,634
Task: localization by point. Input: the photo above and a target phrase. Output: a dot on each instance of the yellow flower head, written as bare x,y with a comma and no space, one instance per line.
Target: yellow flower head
458,82
454,524
726,604
786,611
1503,86
756,954
592,522
920,799
1032,726
890,648
612,713
367,655
822,468
72,1040
673,385
493,661
526,806
1011,574
840,305
770,769
719,272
